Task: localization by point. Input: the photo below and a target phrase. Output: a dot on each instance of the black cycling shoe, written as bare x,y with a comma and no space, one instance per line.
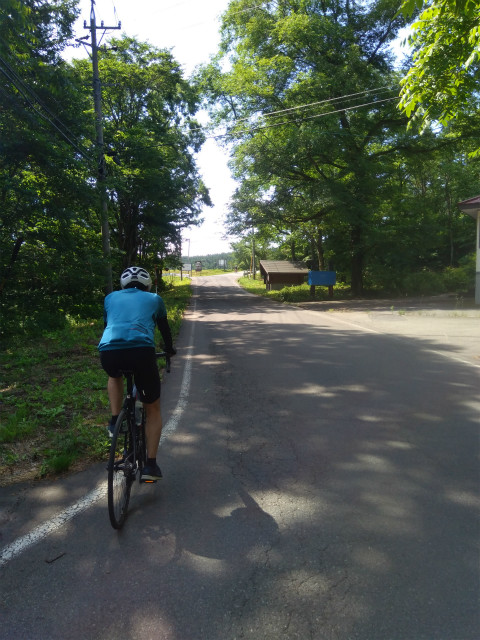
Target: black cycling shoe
150,473
111,428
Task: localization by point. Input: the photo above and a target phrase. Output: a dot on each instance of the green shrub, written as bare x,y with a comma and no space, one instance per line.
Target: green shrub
300,293
461,279
423,283
457,280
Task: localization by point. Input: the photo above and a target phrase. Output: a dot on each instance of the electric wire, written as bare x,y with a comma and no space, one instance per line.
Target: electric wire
320,102
303,119
232,134
24,89
348,97
16,80
269,115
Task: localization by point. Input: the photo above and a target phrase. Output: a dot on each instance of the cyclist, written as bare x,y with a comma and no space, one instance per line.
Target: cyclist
130,317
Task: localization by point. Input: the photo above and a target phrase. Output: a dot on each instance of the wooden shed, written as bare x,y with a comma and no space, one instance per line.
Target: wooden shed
277,274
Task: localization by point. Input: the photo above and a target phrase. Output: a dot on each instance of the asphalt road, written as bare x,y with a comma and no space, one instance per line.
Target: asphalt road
320,482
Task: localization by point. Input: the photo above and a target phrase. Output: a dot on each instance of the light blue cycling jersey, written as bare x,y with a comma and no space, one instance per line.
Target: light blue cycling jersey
131,316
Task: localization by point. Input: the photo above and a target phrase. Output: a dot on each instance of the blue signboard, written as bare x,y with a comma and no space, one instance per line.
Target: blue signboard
322,278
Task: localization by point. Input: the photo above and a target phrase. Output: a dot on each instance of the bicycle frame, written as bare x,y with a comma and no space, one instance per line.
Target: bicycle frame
127,452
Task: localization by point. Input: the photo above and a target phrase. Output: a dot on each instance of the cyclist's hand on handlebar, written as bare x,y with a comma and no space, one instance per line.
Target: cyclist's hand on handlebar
171,352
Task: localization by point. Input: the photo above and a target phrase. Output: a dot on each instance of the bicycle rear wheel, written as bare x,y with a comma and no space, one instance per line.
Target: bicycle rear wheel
121,466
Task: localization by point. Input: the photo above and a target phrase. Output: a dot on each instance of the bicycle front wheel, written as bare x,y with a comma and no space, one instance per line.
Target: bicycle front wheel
121,466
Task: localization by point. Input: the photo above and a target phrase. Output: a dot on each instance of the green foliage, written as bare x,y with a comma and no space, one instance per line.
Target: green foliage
66,447
328,172
18,425
176,301
49,246
461,279
441,83
52,397
423,283
339,187
51,255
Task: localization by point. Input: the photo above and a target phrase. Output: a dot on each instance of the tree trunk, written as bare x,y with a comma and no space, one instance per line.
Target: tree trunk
357,261
8,271
293,254
319,250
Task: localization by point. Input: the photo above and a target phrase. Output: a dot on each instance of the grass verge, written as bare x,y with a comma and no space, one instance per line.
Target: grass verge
300,293
53,400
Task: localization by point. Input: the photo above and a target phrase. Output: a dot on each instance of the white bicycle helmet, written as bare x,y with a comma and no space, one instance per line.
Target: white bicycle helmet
135,274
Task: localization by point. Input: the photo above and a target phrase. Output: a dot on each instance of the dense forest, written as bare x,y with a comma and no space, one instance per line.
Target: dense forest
343,159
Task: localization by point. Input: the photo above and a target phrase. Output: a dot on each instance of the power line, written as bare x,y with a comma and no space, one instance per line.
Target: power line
24,90
246,130
257,6
308,105
15,78
299,121
326,101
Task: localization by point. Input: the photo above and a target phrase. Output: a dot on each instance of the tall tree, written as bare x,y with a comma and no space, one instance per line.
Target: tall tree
310,97
150,134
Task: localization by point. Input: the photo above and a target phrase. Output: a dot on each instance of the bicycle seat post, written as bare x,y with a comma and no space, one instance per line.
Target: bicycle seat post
129,378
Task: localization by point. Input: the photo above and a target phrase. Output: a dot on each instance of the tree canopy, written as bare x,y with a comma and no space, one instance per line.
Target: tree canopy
442,82
307,92
310,98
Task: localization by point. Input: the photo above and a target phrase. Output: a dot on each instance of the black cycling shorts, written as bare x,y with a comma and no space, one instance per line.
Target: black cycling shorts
142,361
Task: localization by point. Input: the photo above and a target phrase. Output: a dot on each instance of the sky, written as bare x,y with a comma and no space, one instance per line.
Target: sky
190,28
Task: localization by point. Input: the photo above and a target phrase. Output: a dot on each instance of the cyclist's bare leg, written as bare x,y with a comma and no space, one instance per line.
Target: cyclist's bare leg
153,427
115,394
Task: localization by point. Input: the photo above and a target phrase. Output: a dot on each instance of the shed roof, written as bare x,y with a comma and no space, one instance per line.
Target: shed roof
470,206
282,266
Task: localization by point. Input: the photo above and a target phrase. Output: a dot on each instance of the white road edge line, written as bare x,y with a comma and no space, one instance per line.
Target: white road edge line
19,545
182,402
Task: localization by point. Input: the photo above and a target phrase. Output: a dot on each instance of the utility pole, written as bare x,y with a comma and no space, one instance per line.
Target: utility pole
253,254
102,168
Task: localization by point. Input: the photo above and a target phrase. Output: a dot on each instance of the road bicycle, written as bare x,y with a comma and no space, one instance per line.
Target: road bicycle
127,450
